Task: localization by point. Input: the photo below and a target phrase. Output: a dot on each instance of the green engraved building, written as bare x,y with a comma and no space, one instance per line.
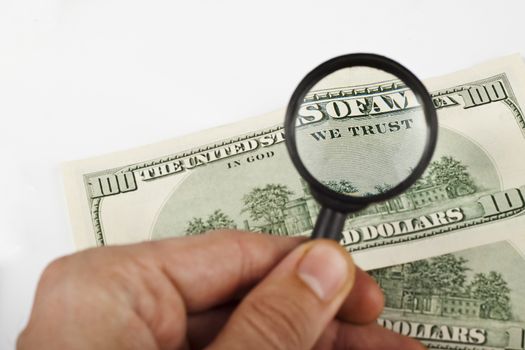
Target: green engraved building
300,213
298,216
399,297
426,195
463,306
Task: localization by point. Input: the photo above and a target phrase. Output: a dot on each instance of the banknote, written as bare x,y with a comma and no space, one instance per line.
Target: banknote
240,176
466,299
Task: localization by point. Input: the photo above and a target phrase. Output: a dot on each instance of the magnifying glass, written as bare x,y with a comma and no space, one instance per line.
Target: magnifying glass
360,129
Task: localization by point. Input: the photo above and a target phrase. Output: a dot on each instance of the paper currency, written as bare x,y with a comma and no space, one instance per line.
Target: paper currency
240,176
451,249
468,299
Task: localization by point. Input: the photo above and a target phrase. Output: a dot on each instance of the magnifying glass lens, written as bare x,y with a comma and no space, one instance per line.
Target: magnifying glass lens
360,131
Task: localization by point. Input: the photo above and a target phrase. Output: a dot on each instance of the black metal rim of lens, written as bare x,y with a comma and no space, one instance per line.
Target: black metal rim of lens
325,195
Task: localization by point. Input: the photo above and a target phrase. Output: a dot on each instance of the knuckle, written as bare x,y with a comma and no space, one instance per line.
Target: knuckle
245,252
54,278
245,256
55,269
279,321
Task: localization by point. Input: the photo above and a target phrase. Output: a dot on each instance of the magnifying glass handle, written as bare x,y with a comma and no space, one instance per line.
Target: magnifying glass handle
329,224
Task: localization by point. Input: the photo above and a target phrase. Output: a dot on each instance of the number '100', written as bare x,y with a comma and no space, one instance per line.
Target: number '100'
107,185
503,201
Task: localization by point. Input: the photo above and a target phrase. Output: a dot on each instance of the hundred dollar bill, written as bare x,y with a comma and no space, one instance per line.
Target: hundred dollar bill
471,299
240,176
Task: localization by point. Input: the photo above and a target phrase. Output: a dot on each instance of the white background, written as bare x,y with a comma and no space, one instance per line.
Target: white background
82,78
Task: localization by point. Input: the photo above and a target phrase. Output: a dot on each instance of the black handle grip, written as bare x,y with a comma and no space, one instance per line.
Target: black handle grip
329,224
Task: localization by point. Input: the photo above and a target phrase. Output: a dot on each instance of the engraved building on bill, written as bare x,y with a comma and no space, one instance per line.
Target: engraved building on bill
399,297
299,214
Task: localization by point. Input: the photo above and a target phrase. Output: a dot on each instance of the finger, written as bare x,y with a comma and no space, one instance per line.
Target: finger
364,303
347,336
209,269
204,326
291,307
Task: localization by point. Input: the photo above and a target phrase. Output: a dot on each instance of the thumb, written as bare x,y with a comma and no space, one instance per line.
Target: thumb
293,305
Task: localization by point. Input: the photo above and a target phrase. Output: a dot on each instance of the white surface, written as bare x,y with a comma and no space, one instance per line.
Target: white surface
80,78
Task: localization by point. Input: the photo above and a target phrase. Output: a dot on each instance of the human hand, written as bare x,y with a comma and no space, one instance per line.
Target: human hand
224,290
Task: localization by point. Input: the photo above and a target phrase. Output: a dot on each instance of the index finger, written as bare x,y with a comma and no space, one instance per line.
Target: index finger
210,269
